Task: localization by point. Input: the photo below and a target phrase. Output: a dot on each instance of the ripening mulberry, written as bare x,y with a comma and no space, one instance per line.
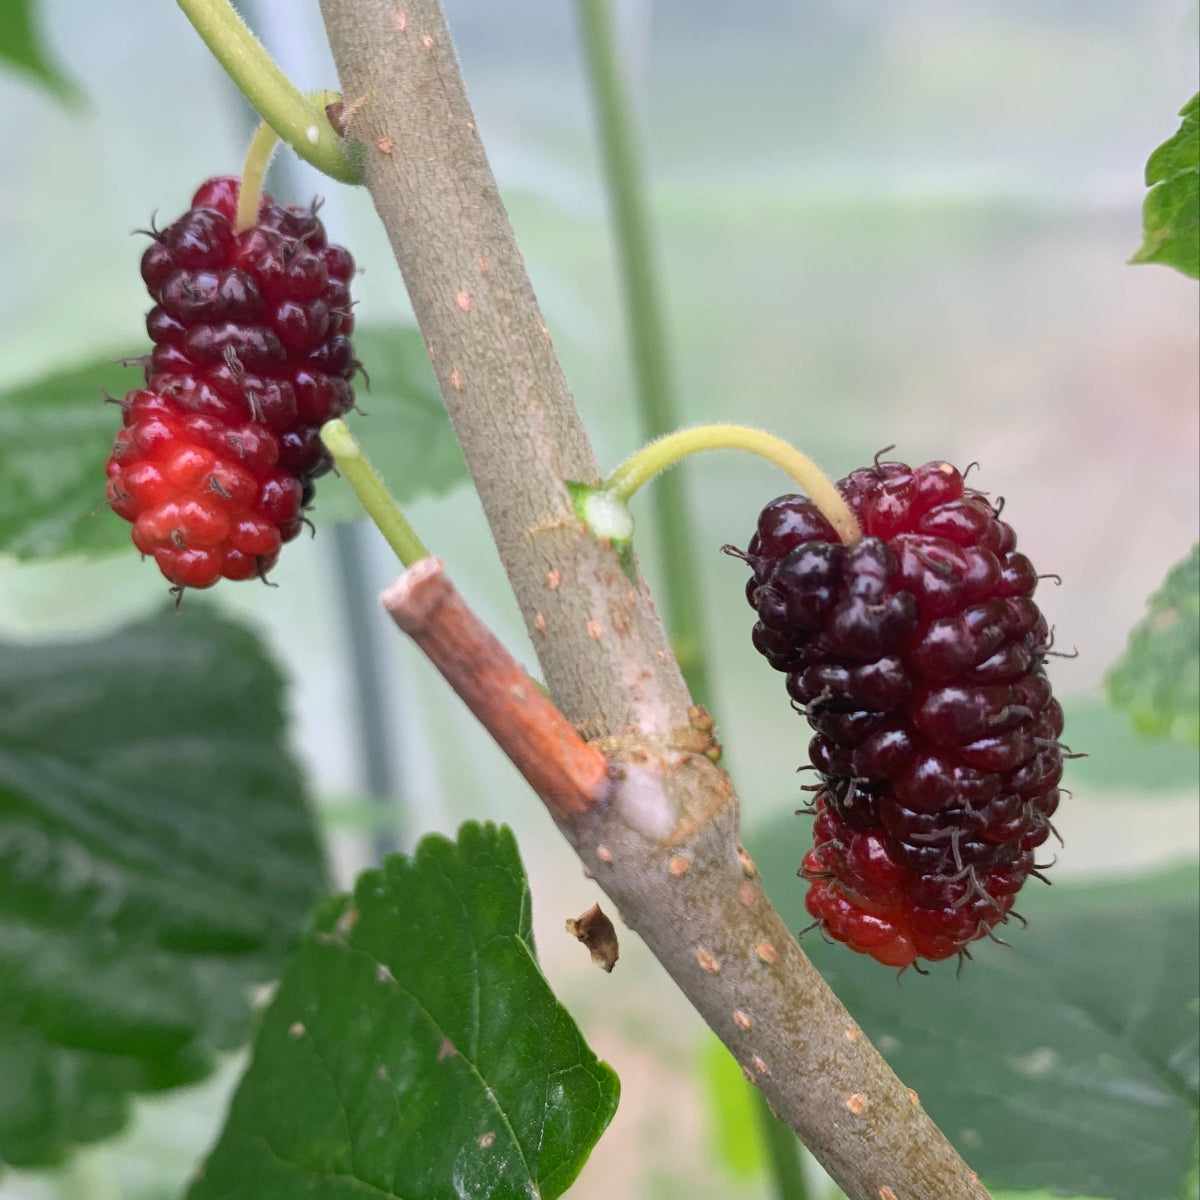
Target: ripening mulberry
252,355
917,656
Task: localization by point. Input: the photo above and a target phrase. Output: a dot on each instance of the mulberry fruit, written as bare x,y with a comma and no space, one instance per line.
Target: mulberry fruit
916,653
252,355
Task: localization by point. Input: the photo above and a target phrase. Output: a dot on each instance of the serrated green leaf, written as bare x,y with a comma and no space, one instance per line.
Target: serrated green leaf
1068,1062
1158,678
156,856
414,1048
23,47
1171,212
57,434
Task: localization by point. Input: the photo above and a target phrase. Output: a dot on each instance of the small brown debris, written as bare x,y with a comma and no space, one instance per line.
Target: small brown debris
747,894
679,864
485,1139
553,579
386,145
766,953
857,1103
604,854
595,630
760,1067
336,113
447,1049
707,961
463,300
741,1019
539,622
596,932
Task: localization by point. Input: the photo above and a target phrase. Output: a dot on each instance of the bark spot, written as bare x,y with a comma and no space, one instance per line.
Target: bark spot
760,1067
766,953
385,145
707,962
856,1102
740,1019
463,300
747,894
679,865
604,854
553,579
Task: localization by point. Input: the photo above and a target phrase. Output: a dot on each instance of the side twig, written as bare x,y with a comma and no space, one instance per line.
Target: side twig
567,773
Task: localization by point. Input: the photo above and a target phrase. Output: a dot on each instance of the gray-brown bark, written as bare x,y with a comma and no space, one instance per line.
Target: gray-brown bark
664,846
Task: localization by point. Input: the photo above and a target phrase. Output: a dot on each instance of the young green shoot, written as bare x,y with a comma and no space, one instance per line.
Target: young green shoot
372,493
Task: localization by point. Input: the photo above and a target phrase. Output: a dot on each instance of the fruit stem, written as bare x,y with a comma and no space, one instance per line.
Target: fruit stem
372,493
641,467
254,169
298,120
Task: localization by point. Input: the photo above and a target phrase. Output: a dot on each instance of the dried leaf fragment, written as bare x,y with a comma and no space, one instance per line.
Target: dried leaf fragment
596,932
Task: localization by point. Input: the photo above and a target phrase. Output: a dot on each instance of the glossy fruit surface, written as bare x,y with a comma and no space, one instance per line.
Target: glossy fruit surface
252,354
917,656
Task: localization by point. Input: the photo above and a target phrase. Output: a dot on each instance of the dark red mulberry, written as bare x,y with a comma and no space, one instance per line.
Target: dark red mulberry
916,654
252,356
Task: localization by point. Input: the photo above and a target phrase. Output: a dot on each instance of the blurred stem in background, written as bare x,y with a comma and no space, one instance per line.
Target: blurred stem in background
359,612
657,406
659,414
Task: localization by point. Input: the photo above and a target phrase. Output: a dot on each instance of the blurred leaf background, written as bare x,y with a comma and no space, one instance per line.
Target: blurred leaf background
902,224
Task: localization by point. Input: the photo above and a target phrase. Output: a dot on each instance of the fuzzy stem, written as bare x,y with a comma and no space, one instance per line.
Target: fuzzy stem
658,411
295,118
372,493
639,468
254,169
